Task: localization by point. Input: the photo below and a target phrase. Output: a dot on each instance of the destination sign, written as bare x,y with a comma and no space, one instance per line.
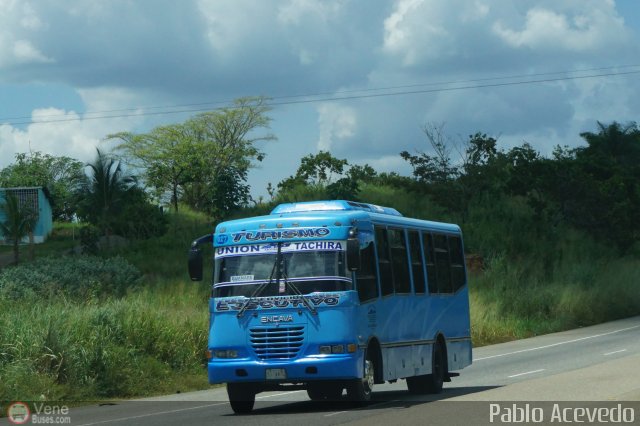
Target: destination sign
272,248
287,234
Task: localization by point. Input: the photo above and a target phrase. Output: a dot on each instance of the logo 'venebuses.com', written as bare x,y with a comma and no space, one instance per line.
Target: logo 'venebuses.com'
18,413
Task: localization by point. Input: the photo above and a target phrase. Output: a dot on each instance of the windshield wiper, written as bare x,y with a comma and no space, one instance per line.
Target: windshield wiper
295,289
260,287
281,274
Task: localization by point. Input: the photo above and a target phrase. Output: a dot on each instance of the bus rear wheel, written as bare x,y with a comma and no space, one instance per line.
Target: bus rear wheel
359,390
430,383
242,397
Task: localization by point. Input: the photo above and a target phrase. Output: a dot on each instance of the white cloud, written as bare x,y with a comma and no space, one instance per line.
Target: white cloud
111,98
30,19
68,133
312,29
72,138
410,34
337,123
25,52
475,12
582,30
235,26
19,25
306,57
295,12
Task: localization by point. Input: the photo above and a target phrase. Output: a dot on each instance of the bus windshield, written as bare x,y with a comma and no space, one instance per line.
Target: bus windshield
309,270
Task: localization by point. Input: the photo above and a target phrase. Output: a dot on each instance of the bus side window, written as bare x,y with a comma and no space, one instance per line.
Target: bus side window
366,275
416,262
384,261
399,261
427,243
443,264
457,263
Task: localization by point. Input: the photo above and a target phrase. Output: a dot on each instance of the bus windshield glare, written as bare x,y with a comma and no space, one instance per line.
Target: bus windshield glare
239,269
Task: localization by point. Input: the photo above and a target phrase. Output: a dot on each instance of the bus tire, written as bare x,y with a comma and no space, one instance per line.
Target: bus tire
435,380
324,391
417,384
242,397
430,383
359,390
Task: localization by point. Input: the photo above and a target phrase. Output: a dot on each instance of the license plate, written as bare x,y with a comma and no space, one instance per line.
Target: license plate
276,374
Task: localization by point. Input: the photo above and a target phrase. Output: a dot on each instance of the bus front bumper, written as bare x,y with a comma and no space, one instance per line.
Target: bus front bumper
329,367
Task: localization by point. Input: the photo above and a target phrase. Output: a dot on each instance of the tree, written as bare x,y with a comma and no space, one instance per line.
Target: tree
605,184
320,168
437,167
227,141
103,197
138,217
20,221
316,170
614,146
62,176
485,169
167,157
326,175
205,160
481,150
435,173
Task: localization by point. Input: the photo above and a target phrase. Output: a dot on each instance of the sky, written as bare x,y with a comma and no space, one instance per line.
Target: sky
358,78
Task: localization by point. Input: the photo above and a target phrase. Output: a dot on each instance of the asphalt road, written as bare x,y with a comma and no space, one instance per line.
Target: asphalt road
595,366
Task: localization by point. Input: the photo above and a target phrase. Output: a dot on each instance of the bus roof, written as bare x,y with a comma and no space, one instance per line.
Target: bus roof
323,213
332,205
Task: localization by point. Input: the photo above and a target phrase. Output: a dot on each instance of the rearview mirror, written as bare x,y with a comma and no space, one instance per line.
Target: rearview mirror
195,257
195,264
353,254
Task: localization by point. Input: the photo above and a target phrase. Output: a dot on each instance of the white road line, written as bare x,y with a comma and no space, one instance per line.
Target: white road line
557,344
528,372
336,413
277,394
615,352
121,419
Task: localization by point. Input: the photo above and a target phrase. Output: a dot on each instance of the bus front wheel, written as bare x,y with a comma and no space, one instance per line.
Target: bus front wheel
359,390
242,397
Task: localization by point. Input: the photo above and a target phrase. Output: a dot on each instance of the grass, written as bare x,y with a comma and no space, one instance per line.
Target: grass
63,238
509,302
151,341
146,343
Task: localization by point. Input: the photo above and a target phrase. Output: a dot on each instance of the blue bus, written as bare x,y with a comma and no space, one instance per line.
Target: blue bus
329,296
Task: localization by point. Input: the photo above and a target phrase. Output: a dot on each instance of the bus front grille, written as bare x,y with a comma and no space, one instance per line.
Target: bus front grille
277,342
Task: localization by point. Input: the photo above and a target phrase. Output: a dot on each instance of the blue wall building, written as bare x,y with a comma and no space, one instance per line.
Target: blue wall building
38,199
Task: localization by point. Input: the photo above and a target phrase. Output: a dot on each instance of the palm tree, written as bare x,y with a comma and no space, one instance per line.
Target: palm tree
106,190
615,142
19,222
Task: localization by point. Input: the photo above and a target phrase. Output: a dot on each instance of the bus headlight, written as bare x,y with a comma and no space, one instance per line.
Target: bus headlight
338,349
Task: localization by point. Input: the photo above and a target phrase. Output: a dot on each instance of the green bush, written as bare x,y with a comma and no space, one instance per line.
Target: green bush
139,218
89,237
75,278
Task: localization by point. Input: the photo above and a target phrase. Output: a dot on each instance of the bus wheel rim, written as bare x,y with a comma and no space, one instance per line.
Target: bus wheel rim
368,379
